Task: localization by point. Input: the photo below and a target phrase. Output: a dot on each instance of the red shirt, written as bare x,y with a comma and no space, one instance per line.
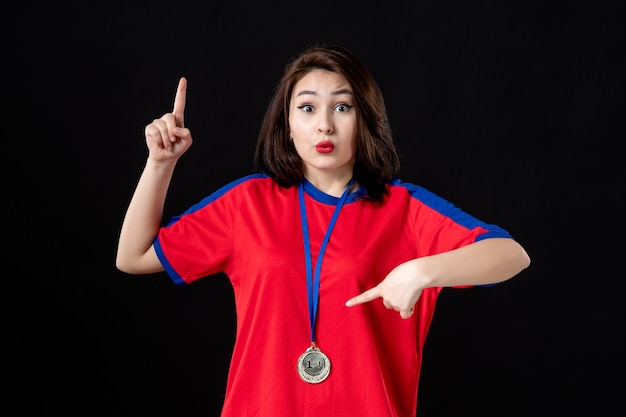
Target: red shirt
251,230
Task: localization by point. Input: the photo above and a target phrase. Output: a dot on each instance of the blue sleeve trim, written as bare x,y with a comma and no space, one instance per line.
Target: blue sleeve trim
178,280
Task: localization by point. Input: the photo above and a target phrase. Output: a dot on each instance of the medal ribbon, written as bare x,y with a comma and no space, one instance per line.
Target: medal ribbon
313,282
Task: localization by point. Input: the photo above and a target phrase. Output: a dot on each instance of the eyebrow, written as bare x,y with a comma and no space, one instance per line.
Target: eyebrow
334,93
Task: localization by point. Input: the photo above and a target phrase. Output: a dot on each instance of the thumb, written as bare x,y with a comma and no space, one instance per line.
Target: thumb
364,297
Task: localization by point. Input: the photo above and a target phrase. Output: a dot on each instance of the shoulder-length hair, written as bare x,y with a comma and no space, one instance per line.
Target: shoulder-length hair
377,160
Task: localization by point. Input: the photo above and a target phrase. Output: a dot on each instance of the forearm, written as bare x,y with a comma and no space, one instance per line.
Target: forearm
485,262
143,219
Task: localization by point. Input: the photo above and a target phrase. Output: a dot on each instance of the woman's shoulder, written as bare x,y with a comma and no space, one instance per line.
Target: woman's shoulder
416,192
241,183
398,184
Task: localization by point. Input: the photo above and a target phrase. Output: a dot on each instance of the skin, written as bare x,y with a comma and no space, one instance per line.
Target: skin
322,110
318,112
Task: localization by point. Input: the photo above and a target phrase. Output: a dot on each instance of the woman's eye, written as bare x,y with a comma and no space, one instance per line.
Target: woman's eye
306,108
343,107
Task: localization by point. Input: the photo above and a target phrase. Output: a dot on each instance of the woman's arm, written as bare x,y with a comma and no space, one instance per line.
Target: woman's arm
167,140
488,261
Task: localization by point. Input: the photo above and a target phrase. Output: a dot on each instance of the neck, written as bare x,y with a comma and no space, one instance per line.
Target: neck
332,184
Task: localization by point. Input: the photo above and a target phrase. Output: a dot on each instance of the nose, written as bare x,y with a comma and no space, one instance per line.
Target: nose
325,124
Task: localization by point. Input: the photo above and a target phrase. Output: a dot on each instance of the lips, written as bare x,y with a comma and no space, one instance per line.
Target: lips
325,147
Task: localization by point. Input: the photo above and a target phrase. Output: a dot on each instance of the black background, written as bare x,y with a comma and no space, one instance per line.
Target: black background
509,109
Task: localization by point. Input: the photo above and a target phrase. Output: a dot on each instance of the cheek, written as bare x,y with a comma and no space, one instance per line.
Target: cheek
353,141
297,123
294,125
297,141
299,132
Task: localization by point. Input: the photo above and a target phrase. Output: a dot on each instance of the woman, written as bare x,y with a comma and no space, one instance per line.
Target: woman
335,263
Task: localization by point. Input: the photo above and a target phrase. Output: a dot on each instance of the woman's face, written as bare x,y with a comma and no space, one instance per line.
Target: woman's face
323,123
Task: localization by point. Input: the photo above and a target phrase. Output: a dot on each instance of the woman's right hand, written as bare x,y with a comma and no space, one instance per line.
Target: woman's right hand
166,137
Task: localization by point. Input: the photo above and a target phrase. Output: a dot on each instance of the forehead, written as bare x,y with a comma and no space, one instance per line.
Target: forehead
320,81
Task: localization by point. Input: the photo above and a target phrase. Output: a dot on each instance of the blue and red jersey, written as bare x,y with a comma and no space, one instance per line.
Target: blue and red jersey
251,230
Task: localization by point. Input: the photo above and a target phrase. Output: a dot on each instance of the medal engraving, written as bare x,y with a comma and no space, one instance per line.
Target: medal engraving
313,365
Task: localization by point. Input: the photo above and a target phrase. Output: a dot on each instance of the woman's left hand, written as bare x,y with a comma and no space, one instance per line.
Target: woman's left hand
400,290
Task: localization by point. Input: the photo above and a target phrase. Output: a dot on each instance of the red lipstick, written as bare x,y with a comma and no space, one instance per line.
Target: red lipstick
325,147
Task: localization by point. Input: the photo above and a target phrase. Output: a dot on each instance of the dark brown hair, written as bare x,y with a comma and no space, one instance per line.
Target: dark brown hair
377,160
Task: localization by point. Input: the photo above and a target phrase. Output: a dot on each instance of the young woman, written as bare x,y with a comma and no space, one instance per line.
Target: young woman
336,264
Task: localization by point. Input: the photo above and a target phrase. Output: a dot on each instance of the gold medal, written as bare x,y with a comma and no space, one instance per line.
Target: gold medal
313,365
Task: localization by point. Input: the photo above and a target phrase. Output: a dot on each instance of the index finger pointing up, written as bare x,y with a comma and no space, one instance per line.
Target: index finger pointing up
179,102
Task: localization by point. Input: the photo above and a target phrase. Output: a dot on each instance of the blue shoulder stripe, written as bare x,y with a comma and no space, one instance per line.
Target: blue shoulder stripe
446,208
215,195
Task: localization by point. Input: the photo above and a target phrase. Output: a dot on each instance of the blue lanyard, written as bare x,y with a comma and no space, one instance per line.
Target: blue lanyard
313,283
